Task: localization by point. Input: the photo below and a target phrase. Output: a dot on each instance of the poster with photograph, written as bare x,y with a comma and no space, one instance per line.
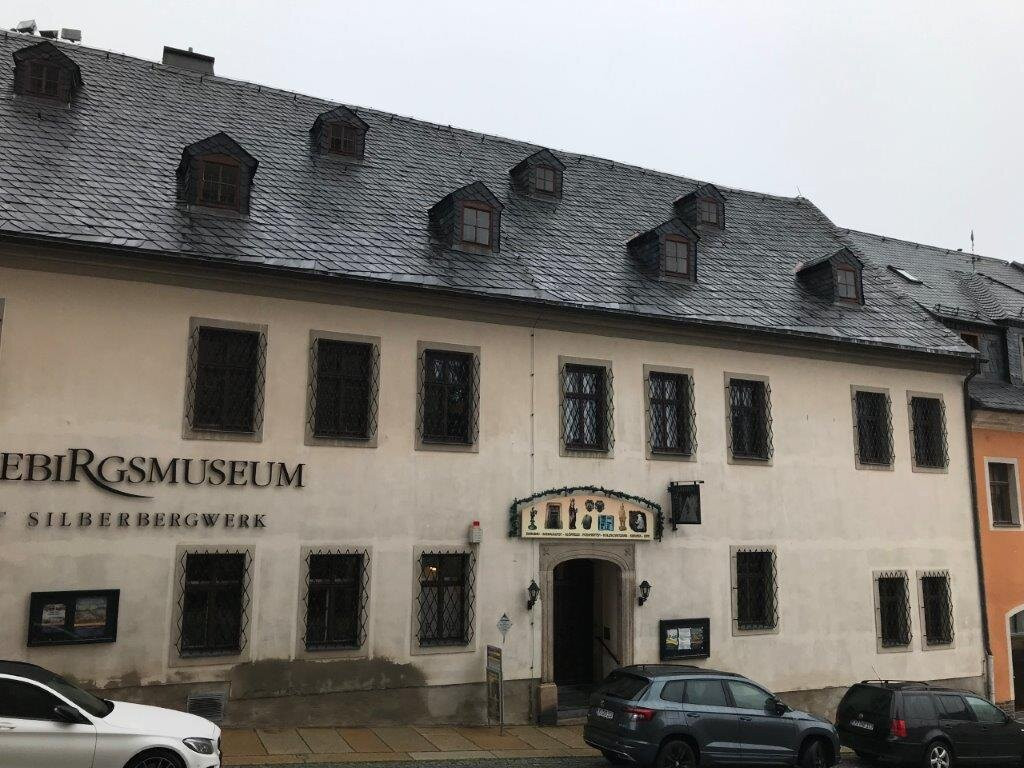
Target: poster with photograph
685,639
53,616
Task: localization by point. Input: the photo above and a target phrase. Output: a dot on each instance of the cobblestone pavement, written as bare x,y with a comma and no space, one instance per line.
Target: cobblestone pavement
522,762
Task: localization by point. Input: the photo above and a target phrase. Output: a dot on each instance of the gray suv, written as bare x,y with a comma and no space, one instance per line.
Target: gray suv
680,717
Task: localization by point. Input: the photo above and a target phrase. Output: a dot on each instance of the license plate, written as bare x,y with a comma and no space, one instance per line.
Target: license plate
605,713
861,724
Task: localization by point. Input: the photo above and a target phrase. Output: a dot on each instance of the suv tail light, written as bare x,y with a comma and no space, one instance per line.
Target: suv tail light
898,729
638,714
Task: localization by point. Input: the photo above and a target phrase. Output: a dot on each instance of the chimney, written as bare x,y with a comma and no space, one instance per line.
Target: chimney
194,62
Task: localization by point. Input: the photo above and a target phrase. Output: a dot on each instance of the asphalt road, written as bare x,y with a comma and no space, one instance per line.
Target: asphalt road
534,762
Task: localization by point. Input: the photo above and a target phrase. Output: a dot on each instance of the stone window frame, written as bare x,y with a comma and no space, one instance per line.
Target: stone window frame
914,466
651,454
373,423
919,578
876,576
250,611
422,347
728,376
188,432
1015,498
335,547
415,649
857,463
609,413
734,583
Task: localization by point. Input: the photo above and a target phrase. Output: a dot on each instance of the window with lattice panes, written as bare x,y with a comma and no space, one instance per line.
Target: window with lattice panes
213,603
846,284
544,179
937,607
928,425
343,388
893,609
670,403
445,598
749,419
343,139
219,184
756,600
335,600
584,407
226,379
710,211
874,428
677,256
476,225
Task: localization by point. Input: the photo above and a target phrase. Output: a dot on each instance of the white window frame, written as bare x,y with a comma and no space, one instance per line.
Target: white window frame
1015,500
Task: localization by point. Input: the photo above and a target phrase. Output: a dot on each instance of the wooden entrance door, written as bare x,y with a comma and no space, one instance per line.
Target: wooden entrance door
574,622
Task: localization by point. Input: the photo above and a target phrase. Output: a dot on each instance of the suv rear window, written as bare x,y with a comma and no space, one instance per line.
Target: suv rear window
866,700
919,706
623,685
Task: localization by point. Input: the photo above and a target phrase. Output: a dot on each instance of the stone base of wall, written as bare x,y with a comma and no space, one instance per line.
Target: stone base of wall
423,705
525,703
823,702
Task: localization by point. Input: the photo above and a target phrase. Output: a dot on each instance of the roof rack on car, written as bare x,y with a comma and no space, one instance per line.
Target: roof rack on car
898,683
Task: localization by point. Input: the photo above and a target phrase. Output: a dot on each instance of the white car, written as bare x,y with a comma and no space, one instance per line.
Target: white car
46,722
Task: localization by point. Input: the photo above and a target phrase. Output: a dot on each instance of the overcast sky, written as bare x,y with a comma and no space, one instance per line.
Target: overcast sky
902,118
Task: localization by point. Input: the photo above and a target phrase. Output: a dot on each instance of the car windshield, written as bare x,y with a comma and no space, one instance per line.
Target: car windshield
94,706
865,701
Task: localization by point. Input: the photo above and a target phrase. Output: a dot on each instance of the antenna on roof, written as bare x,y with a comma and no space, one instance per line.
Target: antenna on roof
972,240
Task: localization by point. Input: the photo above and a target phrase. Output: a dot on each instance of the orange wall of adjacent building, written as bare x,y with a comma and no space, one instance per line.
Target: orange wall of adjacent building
1002,556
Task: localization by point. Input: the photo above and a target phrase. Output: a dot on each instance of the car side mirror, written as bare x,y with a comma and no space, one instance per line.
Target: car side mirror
777,707
67,714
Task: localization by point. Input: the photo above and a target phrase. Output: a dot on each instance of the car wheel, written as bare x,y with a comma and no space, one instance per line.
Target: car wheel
155,759
675,754
815,755
614,759
938,755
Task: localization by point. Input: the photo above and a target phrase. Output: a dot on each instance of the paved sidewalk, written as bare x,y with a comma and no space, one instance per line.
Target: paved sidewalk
305,746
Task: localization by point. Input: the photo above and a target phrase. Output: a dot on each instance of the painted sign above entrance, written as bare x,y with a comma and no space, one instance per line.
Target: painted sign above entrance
585,513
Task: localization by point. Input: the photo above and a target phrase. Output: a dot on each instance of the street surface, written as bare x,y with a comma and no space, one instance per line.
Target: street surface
528,762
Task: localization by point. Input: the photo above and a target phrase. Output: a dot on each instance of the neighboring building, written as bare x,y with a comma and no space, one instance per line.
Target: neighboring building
265,360
982,299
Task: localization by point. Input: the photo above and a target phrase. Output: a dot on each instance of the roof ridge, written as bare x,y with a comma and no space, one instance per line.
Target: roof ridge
476,134
979,256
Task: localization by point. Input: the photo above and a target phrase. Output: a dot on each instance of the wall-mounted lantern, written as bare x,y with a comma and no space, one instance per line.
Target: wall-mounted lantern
534,594
685,503
645,591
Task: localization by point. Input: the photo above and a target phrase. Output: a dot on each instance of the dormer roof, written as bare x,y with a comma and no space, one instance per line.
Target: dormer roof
44,71
829,276
321,133
688,207
526,178
647,248
218,148
446,216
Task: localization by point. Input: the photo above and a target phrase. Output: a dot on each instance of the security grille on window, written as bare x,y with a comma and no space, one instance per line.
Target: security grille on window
445,603
336,599
344,389
893,609
1002,493
929,424
937,599
750,419
756,590
449,398
874,428
213,604
586,407
226,380
670,399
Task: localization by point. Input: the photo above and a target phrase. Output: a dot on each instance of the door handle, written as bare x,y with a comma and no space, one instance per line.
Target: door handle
746,719
694,715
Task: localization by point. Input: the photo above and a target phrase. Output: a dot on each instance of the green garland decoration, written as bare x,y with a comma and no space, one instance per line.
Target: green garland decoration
515,529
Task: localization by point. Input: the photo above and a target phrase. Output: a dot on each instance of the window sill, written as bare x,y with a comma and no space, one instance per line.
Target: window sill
193,433
737,631
442,446
873,467
660,455
341,442
750,461
1007,526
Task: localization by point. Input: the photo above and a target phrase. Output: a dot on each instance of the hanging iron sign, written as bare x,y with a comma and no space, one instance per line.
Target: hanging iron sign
586,513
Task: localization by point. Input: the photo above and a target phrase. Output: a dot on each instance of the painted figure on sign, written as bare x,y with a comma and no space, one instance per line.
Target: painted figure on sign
622,517
638,521
554,519
572,514
533,519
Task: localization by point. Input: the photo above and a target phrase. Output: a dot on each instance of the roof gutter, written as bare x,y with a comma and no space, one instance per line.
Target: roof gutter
626,311
976,518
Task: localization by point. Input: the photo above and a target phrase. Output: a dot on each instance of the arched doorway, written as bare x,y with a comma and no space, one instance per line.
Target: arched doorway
1016,651
587,599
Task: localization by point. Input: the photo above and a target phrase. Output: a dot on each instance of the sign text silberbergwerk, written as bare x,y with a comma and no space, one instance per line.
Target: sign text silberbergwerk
114,473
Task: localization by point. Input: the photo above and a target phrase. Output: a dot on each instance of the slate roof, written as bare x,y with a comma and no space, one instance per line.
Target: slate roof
103,173
960,287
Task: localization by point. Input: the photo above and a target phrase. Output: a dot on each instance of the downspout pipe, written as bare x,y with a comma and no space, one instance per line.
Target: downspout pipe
976,517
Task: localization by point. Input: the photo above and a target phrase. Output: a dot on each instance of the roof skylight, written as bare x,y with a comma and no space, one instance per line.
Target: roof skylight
906,275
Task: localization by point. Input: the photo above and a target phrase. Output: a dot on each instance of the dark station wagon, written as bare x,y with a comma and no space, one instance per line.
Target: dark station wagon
918,724
680,717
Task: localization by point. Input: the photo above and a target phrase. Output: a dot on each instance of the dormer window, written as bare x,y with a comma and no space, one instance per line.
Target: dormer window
219,185
44,71
676,252
545,179
539,175
339,132
344,139
710,211
846,284
216,173
468,219
43,79
476,224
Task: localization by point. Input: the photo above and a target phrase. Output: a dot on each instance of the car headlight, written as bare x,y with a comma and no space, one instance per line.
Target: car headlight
202,746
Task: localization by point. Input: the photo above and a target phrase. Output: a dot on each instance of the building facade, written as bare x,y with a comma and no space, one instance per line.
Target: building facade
983,300
304,406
